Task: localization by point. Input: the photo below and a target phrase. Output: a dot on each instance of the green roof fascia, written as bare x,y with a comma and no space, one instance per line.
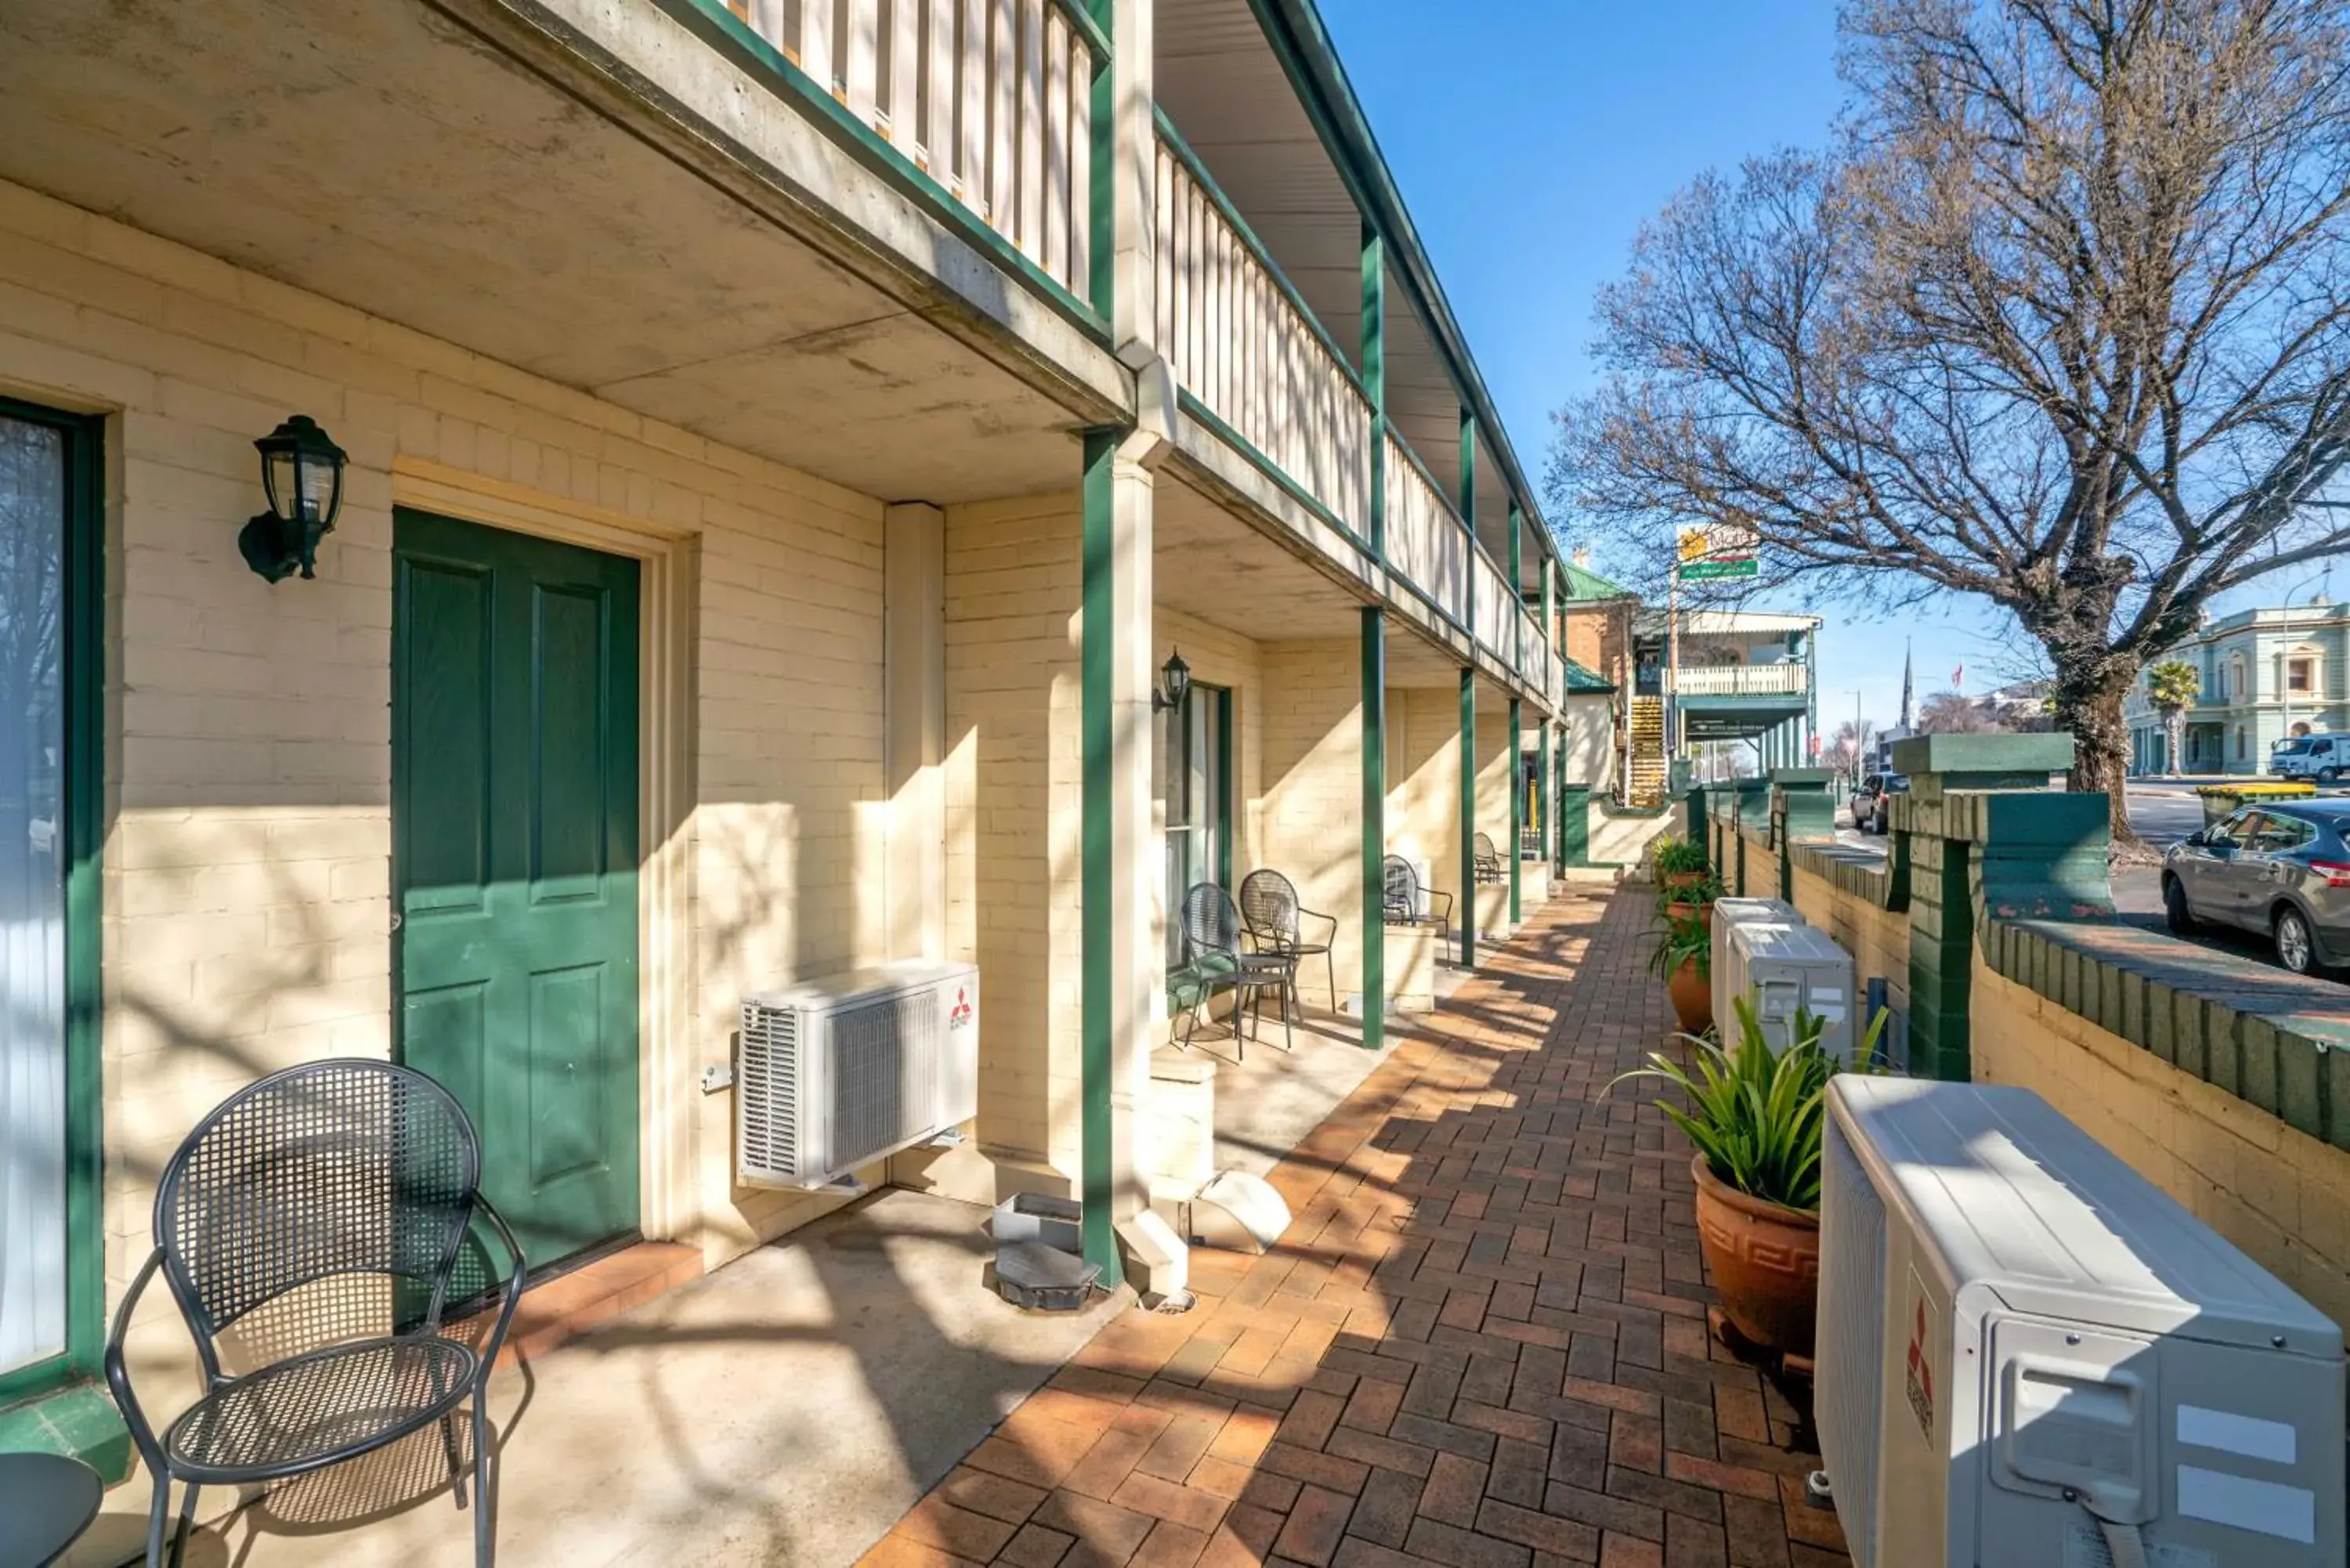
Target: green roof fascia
1308,56
1579,679
1584,585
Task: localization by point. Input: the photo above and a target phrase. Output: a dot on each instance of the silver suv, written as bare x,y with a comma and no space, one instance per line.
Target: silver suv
2281,870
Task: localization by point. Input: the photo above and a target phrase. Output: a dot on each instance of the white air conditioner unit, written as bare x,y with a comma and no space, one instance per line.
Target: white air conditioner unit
1729,912
835,1072
2028,1356
1782,970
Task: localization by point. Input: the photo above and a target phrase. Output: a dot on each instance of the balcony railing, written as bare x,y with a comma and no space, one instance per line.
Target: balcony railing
1427,543
1493,602
992,99
1741,681
1243,343
1252,358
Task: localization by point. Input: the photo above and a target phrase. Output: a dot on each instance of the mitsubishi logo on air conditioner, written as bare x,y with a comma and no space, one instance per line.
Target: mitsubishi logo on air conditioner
959,1017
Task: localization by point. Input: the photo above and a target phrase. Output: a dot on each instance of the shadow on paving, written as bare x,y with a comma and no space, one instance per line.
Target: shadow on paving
1480,1343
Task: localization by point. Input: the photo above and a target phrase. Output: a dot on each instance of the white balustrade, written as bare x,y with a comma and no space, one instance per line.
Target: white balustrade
993,98
1237,340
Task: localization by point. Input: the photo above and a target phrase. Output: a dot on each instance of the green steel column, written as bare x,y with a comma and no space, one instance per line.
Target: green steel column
1468,819
1517,808
1375,380
1375,827
1550,640
1098,1003
1101,285
1547,800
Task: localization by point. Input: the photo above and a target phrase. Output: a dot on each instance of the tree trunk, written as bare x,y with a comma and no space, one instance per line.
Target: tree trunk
2089,704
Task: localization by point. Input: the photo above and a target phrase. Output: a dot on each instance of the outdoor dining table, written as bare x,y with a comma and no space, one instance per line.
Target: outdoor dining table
46,1500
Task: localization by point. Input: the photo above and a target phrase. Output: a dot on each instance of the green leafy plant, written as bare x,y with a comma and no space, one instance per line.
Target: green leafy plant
1671,855
1704,890
1756,1111
1685,937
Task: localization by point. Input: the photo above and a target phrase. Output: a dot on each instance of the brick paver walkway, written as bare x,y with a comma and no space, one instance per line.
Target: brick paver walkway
1480,1343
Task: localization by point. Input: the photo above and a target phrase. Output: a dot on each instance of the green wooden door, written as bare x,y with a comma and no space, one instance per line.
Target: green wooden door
514,764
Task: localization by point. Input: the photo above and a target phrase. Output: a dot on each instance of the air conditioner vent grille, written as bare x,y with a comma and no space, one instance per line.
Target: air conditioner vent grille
884,1068
767,1078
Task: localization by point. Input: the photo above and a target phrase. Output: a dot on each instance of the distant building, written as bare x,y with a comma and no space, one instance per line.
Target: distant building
2267,675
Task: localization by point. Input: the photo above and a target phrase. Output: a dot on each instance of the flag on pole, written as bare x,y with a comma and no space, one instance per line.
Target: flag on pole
1958,679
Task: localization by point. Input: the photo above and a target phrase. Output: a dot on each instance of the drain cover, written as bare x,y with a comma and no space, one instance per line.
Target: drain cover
1043,1279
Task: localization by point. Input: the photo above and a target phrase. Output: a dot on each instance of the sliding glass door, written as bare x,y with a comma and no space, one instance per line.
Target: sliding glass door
49,1241
1196,774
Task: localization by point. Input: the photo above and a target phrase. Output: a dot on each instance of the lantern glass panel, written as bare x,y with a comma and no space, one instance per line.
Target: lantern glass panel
277,481
316,482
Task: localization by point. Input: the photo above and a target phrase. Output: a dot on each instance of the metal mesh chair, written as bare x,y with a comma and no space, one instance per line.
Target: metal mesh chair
1276,921
1487,858
1404,902
350,1186
1216,962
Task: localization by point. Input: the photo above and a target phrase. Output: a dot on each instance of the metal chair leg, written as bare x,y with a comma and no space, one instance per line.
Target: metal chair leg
456,1460
485,1497
187,1522
157,1512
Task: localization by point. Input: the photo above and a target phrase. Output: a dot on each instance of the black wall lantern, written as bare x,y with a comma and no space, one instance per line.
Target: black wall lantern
302,473
1174,684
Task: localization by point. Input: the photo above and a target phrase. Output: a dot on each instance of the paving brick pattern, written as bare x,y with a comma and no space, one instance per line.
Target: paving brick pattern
1480,1343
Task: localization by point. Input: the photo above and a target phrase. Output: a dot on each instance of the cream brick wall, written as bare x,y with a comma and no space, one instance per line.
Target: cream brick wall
247,870
2279,1195
1878,939
1313,804
1013,785
1424,781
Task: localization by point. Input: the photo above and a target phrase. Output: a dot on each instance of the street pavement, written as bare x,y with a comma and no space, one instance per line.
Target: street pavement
2163,812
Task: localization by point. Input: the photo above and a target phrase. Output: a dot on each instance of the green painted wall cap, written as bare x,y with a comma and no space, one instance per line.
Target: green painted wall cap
1983,753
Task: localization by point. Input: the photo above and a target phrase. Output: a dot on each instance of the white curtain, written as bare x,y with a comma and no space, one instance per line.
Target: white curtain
32,897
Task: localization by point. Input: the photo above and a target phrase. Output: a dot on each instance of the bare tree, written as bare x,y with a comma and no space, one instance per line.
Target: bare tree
1853,744
1955,713
2061,321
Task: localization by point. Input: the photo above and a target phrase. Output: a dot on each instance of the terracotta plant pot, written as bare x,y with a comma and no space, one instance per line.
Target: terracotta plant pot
1679,911
1692,995
1765,1263
1677,880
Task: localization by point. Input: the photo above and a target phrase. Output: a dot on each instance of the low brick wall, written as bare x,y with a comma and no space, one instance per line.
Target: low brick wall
2229,1089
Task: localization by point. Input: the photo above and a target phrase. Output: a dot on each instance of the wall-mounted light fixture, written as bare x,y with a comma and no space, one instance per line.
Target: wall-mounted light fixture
302,473
1174,684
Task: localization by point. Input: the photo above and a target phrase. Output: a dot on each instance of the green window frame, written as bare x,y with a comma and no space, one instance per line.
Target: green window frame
80,837
1196,789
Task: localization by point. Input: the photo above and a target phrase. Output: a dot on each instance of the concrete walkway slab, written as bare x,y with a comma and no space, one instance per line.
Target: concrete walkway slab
783,1410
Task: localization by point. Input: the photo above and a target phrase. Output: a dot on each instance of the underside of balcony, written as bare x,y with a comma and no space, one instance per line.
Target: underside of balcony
522,184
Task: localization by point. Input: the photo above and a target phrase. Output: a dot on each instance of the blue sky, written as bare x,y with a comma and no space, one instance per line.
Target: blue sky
1532,137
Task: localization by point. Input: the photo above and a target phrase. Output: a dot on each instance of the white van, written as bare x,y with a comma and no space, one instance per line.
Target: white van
2325,758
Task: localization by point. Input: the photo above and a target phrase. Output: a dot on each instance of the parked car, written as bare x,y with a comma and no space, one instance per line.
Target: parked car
1869,810
2326,758
2281,870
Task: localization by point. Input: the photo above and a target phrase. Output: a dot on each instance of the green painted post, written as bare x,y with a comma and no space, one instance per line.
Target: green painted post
1375,380
1375,827
1101,248
1548,798
1468,819
1517,809
1096,883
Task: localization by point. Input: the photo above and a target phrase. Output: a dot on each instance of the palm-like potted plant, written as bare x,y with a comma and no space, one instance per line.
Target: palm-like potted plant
1684,957
1756,1113
1693,897
1676,861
